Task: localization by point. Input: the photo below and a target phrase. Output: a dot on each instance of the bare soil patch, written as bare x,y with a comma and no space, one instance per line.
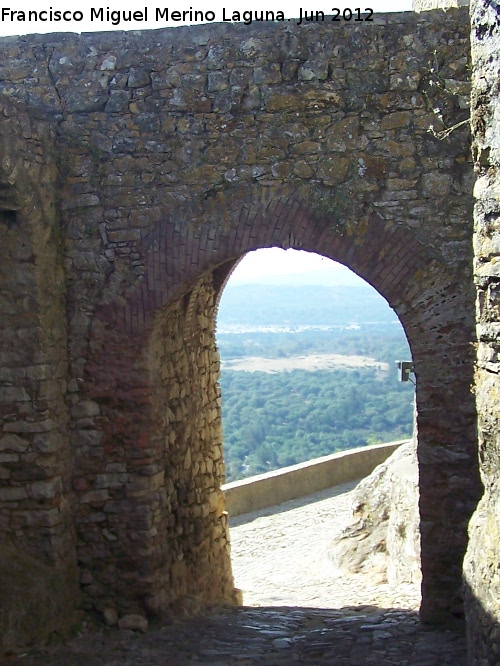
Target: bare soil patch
312,363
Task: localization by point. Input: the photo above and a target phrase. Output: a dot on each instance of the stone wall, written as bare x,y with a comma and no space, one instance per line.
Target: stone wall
185,365
307,478
148,482
167,155
483,561
35,464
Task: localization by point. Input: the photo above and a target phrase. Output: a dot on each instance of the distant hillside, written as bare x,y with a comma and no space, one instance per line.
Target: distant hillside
299,305
325,276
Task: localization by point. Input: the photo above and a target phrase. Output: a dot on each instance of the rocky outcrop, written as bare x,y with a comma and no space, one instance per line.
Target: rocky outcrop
382,538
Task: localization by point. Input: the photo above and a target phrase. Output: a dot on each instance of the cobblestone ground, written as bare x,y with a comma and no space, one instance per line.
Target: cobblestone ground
298,609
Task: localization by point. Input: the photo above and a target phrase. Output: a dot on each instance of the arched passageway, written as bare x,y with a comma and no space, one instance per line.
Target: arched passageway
176,419
147,179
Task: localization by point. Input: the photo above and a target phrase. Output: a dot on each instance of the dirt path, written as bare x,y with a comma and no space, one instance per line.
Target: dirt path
280,556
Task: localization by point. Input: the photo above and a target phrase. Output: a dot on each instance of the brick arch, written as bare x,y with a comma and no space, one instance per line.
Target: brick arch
415,280
174,416
387,255
440,350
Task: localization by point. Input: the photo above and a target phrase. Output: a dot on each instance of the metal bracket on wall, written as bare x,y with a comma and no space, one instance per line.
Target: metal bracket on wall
405,368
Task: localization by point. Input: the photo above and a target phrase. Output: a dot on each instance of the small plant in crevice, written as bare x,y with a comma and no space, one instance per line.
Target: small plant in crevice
435,81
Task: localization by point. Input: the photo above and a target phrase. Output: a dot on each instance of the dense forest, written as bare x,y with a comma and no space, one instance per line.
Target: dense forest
273,419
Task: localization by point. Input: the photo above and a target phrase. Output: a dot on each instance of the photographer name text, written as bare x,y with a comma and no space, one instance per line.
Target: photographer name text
166,15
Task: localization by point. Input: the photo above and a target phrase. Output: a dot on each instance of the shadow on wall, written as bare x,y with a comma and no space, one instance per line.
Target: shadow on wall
483,631
36,601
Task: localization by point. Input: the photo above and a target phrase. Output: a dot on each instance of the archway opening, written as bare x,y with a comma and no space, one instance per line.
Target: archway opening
307,370
308,353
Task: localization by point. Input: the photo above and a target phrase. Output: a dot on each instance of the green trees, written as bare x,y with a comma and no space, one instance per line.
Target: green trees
274,420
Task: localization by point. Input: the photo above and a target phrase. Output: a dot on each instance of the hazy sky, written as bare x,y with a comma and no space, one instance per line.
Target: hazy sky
276,266
80,12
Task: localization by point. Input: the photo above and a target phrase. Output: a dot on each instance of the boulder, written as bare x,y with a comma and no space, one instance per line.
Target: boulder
382,537
134,622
